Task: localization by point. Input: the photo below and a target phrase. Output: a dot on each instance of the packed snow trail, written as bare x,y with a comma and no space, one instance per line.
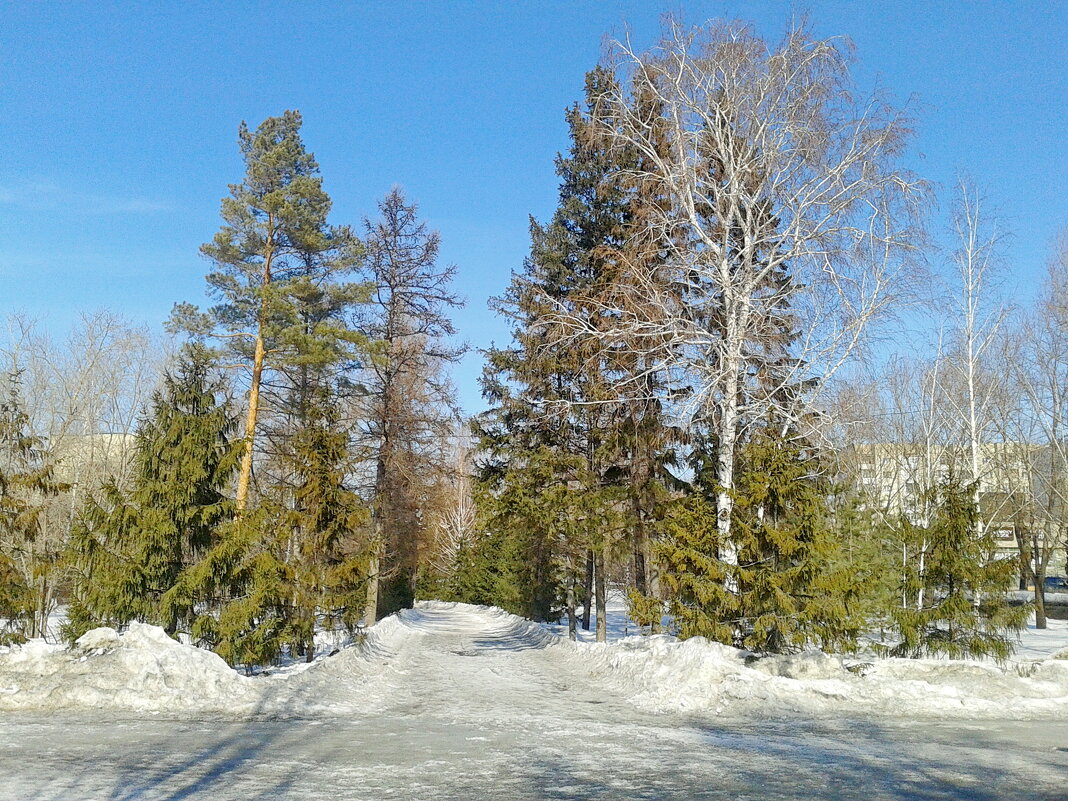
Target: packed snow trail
464,703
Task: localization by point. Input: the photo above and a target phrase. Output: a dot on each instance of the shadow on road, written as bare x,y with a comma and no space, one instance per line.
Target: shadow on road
806,761
164,768
663,759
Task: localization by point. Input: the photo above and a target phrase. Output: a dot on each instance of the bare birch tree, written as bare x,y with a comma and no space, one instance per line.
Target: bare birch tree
1033,416
972,385
454,514
83,395
789,228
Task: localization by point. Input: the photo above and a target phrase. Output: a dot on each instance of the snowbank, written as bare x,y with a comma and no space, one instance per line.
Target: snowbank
143,671
660,674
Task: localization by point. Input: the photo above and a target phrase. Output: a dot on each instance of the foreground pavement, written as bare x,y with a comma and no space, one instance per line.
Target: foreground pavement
470,707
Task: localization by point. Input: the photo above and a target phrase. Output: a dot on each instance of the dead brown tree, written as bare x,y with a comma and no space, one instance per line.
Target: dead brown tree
409,393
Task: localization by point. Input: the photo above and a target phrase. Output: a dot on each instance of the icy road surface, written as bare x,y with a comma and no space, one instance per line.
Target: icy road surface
470,707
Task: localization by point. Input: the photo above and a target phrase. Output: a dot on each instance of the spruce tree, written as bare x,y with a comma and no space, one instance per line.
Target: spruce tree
327,554
695,579
556,399
296,563
106,590
954,586
649,442
26,482
245,586
489,570
131,544
781,584
792,588
869,550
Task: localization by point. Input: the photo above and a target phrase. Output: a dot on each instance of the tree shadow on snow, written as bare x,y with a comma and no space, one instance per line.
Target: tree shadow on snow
165,768
806,761
238,749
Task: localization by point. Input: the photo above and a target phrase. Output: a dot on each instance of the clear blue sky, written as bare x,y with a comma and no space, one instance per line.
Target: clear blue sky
120,120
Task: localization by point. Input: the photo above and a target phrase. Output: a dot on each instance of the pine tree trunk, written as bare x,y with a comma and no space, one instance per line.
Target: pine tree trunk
241,500
587,592
601,589
245,476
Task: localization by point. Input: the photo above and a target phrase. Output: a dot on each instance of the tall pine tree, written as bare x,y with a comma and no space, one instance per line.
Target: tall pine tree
275,249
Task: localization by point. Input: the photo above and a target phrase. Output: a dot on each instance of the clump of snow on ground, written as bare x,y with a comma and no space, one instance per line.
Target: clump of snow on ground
144,671
662,674
659,674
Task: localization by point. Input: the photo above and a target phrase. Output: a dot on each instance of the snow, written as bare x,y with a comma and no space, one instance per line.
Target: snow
449,701
1050,598
1036,644
143,671
659,674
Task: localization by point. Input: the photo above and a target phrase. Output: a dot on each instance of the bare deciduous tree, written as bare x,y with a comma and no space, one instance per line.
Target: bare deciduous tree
789,228
1033,415
83,396
973,381
454,511
408,407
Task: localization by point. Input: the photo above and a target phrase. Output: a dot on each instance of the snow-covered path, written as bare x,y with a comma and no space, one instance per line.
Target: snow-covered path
471,705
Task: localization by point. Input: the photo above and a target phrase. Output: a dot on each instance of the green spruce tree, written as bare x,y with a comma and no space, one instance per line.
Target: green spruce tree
295,564
131,544
782,583
793,588
245,586
559,415
328,551
954,586
26,482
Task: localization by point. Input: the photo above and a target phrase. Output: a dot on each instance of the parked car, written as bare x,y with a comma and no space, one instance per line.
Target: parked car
1055,584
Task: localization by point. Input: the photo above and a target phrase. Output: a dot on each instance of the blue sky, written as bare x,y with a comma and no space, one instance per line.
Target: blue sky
120,121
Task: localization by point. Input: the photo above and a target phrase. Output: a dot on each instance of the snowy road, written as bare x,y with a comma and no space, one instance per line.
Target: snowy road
469,706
